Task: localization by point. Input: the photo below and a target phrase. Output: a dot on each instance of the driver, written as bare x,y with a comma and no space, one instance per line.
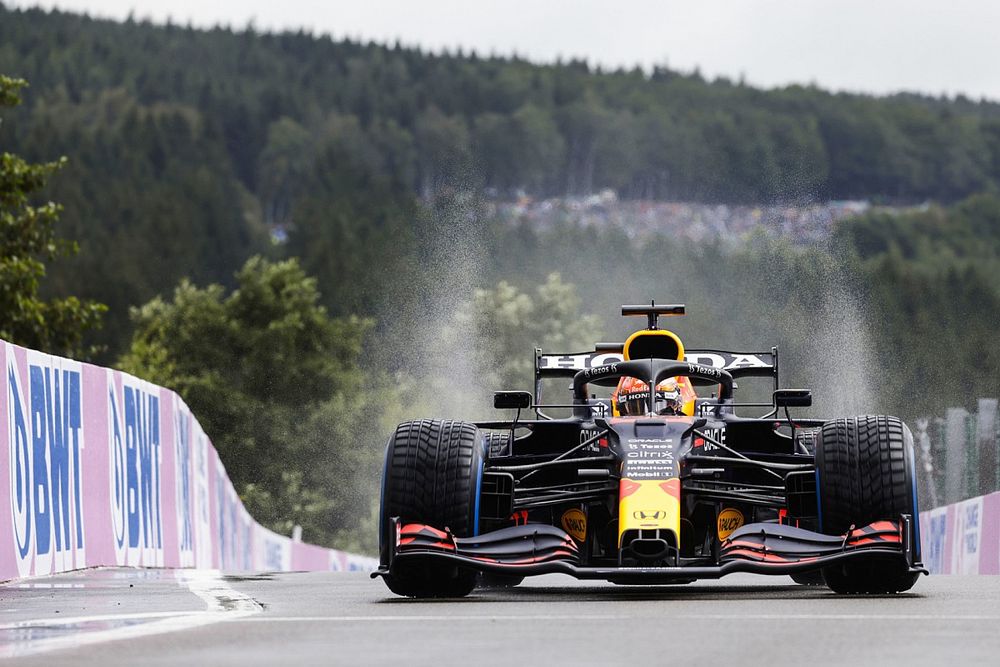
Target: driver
673,395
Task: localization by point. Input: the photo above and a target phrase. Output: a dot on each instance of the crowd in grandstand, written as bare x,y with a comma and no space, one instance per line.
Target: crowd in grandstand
805,224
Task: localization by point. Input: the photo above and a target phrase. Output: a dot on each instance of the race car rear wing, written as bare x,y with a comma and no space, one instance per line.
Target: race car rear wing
739,364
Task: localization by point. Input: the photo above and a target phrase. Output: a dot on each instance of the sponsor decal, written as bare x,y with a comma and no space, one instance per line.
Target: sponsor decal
182,459
729,520
586,434
202,516
134,457
706,371
574,522
609,369
968,533
275,548
579,362
717,434
45,441
733,362
933,552
649,458
746,361
225,519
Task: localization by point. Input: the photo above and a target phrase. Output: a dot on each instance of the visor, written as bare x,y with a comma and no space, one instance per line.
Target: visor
634,403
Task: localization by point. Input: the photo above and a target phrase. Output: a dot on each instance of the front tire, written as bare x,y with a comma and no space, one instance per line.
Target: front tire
432,475
864,470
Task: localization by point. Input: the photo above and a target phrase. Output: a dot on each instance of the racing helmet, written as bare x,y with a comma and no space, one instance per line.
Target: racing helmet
631,398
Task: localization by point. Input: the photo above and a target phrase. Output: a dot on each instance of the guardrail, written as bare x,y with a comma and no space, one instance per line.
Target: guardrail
100,468
962,538
959,454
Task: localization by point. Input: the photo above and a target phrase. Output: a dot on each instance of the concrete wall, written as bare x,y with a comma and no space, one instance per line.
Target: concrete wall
100,468
962,538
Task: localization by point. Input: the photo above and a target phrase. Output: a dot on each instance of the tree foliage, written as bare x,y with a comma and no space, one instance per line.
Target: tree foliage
932,282
27,242
199,140
275,382
506,324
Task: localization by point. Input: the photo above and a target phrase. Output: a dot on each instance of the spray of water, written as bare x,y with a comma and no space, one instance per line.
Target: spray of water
842,369
822,327
444,351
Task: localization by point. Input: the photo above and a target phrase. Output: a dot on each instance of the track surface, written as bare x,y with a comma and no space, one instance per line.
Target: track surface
164,618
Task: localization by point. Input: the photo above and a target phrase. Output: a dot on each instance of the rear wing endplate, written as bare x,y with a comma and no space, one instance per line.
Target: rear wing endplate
739,364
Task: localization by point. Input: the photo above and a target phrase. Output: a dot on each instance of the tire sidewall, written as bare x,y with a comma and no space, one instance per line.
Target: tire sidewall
857,482
825,495
474,474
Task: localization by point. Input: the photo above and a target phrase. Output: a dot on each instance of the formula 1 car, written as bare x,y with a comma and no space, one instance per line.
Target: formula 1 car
650,496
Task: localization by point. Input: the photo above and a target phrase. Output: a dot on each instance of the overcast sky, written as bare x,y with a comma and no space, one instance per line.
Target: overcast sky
880,46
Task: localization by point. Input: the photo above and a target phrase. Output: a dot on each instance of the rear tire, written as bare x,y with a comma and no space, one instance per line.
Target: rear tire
864,470
806,437
432,475
498,444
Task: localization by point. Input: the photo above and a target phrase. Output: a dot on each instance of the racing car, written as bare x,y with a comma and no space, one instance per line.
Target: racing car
655,484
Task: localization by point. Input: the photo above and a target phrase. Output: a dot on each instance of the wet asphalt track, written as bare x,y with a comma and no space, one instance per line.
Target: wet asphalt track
129,617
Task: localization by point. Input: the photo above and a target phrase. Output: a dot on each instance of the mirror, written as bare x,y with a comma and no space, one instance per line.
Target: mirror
512,400
793,398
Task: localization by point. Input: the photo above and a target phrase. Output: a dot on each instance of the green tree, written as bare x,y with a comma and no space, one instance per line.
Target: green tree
283,165
508,324
27,241
443,145
276,384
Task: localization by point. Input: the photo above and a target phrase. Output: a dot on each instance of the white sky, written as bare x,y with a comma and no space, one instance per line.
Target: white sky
879,46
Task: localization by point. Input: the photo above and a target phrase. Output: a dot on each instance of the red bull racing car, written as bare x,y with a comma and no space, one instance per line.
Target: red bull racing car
653,485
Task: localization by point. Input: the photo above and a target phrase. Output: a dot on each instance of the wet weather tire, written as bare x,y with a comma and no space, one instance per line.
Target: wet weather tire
432,475
806,440
864,470
498,444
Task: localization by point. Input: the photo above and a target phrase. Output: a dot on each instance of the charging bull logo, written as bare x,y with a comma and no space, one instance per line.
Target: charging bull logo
45,438
134,457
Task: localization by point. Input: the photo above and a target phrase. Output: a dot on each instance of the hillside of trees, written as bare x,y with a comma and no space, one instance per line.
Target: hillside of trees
187,146
398,291
269,104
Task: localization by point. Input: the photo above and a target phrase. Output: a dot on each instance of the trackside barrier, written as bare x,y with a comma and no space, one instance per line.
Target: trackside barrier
962,538
100,468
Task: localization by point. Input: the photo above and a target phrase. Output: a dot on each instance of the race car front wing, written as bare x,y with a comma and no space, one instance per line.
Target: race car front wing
760,548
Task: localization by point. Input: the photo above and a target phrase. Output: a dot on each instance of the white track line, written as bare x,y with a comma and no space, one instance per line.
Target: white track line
76,620
589,617
222,602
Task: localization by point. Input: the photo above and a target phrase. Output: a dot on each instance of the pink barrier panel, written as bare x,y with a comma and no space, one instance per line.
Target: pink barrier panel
104,469
963,538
